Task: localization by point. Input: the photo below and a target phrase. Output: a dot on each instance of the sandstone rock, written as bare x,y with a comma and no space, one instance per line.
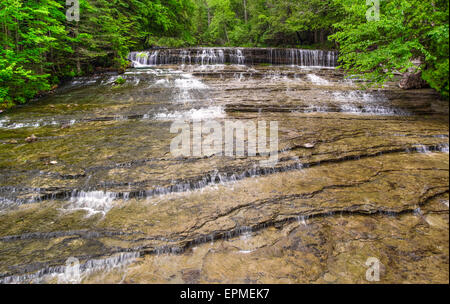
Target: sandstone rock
329,278
319,211
191,276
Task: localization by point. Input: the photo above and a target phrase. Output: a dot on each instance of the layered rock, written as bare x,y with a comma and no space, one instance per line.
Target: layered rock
360,173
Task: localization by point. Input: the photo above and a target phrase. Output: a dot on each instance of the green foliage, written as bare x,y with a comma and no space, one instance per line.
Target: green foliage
38,46
437,62
119,81
29,33
407,30
265,22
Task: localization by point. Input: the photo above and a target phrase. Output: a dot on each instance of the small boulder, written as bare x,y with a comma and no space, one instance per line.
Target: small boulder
31,138
309,146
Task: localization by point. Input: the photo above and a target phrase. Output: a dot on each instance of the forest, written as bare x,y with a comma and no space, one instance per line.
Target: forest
39,47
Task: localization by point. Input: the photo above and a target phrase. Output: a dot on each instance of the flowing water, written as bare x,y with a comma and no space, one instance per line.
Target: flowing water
360,174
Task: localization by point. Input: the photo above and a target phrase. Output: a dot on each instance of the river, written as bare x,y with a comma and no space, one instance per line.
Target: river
361,173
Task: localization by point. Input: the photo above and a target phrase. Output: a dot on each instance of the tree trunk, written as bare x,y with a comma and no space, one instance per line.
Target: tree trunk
17,35
299,38
77,52
209,13
226,34
322,36
245,12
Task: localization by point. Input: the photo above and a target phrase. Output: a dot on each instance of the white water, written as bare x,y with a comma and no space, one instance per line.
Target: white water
367,97
5,123
189,82
213,56
93,202
194,114
117,261
317,80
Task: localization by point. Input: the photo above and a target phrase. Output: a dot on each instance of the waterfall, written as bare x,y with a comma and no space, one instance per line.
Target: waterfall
210,56
238,57
312,58
214,56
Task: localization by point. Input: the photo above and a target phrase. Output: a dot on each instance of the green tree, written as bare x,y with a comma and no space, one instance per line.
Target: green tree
406,30
38,46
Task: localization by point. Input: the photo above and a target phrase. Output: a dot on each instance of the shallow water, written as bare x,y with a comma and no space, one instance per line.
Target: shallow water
100,182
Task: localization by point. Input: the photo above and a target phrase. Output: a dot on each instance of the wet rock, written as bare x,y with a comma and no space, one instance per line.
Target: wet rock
344,188
191,276
412,81
329,278
31,138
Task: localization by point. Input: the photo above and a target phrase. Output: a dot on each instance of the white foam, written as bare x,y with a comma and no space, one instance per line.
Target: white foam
118,261
162,83
245,251
317,80
358,96
189,83
194,114
7,124
92,201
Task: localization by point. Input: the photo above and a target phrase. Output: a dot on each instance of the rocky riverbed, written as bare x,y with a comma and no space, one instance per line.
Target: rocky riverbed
360,174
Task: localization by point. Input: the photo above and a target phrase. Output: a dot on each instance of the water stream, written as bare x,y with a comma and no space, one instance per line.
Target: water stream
99,182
